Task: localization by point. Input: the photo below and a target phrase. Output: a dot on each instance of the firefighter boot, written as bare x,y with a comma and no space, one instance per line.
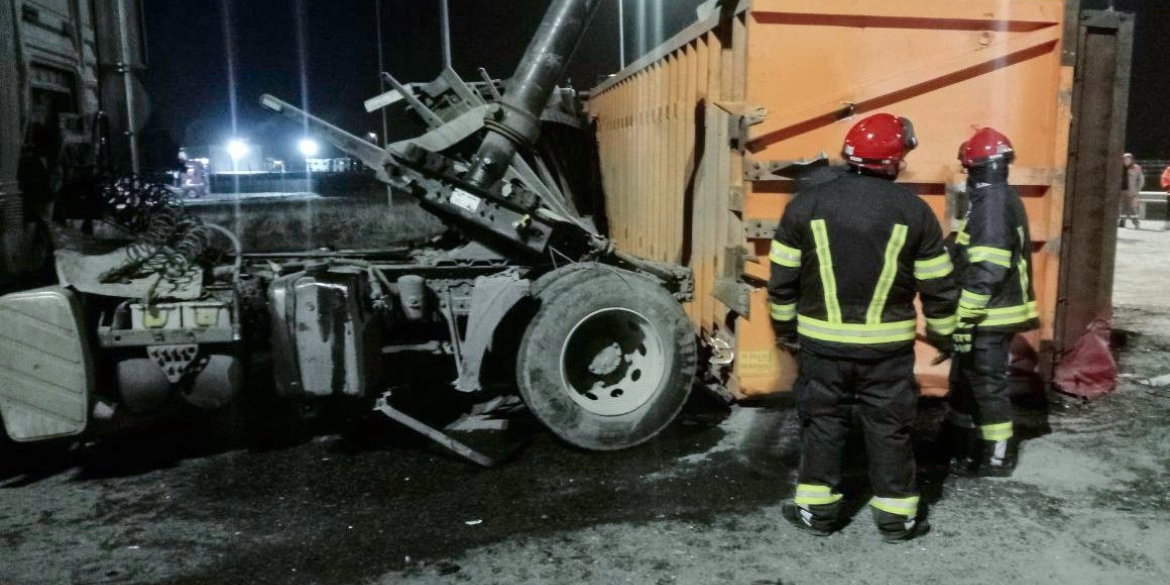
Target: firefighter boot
999,458
818,520
965,450
899,528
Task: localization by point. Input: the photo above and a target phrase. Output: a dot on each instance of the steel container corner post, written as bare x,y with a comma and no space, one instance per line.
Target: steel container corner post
690,134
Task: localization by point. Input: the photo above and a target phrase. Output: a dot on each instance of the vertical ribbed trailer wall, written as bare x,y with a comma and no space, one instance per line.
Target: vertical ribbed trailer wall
688,136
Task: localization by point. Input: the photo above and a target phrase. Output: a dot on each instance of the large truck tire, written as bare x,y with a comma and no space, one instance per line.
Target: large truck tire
609,359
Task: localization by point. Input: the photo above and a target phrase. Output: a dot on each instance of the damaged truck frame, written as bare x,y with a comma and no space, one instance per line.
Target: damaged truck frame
521,291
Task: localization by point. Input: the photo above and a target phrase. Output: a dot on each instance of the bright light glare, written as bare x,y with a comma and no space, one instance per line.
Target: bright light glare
309,148
237,149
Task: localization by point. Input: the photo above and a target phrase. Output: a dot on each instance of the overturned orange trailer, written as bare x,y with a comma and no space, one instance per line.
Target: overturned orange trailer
691,135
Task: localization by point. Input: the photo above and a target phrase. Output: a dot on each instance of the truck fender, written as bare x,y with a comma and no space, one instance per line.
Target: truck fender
492,301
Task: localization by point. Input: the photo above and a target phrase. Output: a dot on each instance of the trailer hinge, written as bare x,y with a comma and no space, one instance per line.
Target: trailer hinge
743,117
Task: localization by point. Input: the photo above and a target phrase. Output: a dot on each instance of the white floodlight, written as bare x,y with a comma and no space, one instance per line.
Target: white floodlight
309,148
237,149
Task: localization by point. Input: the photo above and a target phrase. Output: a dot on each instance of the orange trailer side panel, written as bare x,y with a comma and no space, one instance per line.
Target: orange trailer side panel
681,131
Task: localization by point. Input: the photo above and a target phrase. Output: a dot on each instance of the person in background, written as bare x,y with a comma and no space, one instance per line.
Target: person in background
1132,183
1166,188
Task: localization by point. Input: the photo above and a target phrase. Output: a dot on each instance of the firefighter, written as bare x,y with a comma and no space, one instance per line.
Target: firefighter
847,261
993,251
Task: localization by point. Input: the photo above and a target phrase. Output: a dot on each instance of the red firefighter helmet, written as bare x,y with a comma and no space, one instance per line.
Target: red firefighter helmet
985,146
880,142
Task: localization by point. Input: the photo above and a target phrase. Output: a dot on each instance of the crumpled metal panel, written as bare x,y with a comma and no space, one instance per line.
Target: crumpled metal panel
46,374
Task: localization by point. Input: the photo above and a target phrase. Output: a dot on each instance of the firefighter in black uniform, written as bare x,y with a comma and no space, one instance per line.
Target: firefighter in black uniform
992,254
848,259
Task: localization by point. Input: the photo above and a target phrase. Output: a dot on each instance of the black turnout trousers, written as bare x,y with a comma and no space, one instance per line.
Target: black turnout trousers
882,395
979,393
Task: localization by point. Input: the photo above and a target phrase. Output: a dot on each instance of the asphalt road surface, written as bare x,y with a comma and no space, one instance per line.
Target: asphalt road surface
1090,502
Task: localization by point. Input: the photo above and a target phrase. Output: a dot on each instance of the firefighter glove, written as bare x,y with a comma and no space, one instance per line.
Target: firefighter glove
963,337
787,338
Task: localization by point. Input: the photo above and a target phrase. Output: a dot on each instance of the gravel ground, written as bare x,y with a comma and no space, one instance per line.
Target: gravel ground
1090,502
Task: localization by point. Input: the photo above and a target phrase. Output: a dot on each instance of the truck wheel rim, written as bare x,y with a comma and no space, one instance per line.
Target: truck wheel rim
612,362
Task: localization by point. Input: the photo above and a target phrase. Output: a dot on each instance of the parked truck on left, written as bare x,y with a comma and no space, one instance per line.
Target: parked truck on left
522,293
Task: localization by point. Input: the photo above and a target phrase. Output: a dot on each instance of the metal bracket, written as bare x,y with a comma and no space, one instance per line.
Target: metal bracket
743,117
730,288
760,229
383,406
782,170
734,294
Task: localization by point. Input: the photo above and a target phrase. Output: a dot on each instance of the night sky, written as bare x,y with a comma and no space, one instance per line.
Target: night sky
188,77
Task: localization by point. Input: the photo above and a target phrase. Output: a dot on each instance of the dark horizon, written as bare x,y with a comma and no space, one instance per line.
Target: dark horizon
189,60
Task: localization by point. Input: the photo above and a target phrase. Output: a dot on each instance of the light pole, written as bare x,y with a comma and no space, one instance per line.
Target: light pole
381,62
445,15
622,33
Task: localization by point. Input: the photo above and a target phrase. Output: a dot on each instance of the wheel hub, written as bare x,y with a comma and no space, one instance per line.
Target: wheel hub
613,362
607,360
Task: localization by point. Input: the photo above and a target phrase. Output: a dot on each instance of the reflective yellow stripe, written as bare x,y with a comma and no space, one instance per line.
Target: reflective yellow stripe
784,256
899,506
783,312
1010,315
1024,284
856,333
996,432
974,300
996,256
889,272
934,268
963,238
943,325
814,495
828,280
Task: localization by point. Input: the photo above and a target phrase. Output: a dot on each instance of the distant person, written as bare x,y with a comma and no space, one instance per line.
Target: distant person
1132,183
1166,188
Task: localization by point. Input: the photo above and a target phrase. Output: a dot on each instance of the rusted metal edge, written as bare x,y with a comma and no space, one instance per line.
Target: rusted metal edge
675,43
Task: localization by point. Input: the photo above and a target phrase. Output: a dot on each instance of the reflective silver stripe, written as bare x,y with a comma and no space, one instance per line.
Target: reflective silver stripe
856,333
899,506
937,267
1010,315
783,312
828,280
881,294
996,256
784,255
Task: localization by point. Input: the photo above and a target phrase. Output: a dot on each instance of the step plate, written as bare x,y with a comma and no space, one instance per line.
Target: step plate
46,372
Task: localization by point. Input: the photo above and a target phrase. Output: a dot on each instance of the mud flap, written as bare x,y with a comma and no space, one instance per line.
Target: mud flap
46,370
